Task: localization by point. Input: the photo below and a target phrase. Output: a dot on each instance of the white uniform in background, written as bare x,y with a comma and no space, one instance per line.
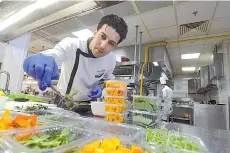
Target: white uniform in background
167,94
75,55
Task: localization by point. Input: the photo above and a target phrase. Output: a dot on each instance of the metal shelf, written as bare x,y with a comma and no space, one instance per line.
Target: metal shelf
181,118
130,63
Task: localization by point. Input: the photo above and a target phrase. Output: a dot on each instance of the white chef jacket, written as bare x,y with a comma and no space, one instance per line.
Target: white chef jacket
167,94
74,55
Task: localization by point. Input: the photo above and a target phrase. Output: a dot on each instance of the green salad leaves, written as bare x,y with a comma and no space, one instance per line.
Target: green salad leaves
50,140
166,138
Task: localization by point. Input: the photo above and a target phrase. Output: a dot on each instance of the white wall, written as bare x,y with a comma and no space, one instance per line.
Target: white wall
2,51
15,53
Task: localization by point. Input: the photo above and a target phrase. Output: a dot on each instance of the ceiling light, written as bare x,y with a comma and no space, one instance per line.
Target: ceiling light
155,63
83,34
190,56
39,4
188,68
187,78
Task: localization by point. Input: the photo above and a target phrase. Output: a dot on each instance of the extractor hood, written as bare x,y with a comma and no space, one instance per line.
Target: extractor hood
160,55
216,67
206,83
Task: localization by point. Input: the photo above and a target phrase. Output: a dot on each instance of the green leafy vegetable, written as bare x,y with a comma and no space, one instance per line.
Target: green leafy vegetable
70,97
73,150
50,140
165,138
145,103
143,121
31,98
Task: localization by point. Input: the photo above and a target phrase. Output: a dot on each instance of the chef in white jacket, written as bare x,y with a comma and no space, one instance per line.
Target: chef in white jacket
83,63
167,94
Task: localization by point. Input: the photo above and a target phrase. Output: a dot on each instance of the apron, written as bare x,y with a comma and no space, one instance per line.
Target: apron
166,109
81,107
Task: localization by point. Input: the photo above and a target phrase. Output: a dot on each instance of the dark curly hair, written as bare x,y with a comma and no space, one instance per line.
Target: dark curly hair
117,23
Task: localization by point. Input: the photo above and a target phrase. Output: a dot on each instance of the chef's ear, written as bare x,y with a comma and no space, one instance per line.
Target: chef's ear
95,31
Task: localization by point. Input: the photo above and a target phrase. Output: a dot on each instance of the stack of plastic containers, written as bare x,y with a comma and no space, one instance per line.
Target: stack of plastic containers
115,101
145,111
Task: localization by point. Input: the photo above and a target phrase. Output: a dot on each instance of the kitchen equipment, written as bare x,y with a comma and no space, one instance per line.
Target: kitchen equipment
212,102
98,108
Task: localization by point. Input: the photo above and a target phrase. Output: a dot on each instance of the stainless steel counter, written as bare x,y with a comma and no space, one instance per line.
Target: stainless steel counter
210,116
216,140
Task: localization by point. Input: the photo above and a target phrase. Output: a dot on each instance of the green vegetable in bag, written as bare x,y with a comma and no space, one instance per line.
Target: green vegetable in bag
50,140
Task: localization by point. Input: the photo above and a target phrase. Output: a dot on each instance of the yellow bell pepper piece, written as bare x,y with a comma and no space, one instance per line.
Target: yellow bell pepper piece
115,141
98,150
136,149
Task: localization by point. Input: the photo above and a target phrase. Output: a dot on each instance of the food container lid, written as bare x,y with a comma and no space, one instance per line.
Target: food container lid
114,105
120,97
111,113
116,89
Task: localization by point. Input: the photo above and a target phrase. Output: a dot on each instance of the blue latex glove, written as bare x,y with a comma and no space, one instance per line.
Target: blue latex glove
96,92
42,68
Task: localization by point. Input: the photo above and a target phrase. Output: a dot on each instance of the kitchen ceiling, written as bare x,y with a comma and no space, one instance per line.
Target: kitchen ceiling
9,7
158,20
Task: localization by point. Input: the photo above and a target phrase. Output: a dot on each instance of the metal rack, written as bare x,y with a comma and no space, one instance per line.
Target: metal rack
127,71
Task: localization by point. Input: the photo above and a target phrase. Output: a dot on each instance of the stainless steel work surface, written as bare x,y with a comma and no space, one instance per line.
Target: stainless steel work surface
210,116
216,140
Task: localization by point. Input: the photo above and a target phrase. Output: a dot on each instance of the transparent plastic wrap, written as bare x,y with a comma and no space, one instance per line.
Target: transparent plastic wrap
67,119
173,142
115,100
45,140
116,92
107,144
146,103
143,118
121,130
5,147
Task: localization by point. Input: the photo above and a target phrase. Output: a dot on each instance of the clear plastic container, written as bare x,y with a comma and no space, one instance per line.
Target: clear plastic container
103,143
146,103
143,118
66,119
13,114
173,142
121,130
113,108
17,139
116,92
116,84
116,117
115,100
39,112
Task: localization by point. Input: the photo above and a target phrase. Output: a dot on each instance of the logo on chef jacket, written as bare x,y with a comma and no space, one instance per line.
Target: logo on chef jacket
100,73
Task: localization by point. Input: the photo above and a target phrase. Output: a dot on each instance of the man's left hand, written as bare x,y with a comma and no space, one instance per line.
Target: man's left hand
96,92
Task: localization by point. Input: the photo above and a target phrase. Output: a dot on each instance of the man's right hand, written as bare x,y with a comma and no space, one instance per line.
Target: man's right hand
42,68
